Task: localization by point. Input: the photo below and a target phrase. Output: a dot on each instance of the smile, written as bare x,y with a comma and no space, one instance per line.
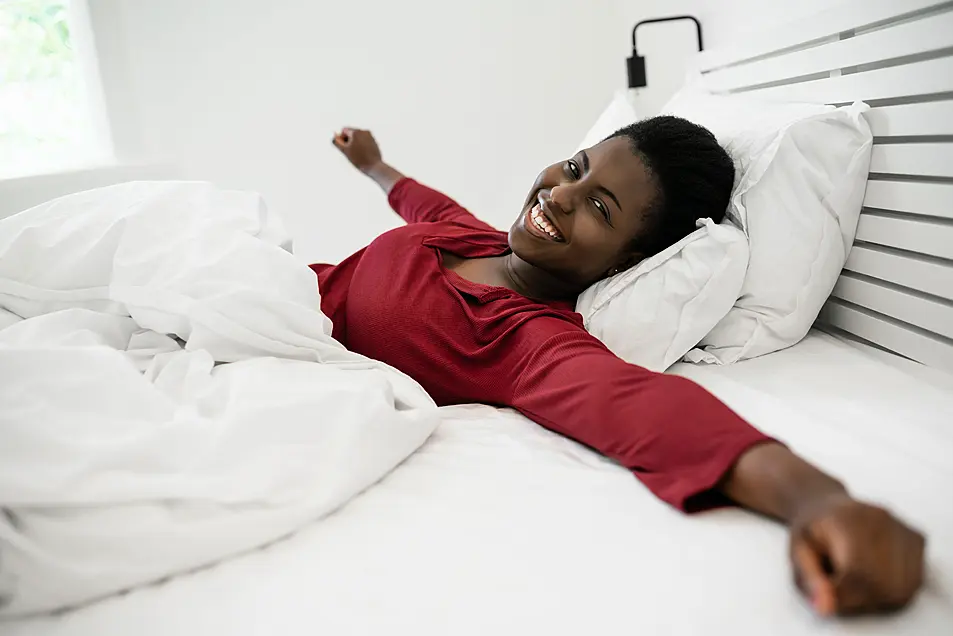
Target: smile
539,225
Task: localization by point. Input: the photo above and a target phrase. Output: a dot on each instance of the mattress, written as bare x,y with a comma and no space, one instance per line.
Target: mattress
498,526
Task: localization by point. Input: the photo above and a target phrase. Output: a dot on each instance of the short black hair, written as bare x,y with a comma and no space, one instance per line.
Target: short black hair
693,174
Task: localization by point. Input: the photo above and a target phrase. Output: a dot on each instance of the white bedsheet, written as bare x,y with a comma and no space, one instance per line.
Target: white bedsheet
172,395
497,526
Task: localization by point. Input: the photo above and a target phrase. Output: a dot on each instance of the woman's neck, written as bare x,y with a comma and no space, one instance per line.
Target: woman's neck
533,282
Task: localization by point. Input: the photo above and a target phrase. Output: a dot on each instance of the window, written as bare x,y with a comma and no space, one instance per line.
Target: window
49,119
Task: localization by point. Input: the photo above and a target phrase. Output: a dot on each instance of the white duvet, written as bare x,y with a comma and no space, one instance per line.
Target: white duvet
170,394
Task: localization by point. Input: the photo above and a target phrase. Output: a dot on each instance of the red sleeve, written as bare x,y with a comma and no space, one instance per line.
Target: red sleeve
334,284
416,203
677,438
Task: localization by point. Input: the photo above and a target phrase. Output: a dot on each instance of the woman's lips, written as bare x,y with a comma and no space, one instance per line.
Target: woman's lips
538,225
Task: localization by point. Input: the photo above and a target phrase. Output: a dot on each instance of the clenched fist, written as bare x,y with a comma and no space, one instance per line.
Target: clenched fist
359,147
854,558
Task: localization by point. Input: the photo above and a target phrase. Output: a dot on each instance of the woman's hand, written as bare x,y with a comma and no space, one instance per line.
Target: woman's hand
362,151
848,557
853,558
359,147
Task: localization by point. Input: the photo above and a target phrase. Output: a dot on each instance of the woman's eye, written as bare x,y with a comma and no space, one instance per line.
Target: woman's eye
573,169
599,205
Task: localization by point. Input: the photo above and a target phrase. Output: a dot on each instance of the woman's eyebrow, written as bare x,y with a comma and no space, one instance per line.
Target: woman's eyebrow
609,194
605,191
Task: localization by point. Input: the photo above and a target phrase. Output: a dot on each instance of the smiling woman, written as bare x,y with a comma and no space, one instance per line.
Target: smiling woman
605,204
51,113
596,203
478,315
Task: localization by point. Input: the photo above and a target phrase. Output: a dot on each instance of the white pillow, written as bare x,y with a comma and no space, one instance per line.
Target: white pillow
620,112
653,313
802,176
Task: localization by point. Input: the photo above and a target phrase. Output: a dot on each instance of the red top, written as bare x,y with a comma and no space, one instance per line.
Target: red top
466,342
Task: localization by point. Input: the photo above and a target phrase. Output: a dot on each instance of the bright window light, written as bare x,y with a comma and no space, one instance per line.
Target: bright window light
47,120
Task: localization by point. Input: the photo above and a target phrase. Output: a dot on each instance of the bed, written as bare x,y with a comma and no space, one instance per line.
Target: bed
498,526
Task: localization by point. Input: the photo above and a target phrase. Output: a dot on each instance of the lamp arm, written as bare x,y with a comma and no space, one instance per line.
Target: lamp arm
674,18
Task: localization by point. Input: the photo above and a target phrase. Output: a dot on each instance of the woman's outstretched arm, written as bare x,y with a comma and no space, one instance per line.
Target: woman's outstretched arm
693,452
414,202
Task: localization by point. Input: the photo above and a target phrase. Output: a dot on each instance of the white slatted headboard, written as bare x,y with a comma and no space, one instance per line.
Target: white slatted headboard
896,290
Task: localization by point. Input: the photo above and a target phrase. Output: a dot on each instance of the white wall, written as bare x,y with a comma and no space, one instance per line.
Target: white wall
669,48
470,97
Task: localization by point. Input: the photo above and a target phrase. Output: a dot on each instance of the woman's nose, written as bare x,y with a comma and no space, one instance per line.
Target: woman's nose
561,196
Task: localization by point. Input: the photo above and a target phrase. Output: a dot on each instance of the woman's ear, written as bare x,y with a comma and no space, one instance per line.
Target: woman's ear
628,261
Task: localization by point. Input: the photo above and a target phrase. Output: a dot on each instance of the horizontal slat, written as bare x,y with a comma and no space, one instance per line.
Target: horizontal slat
930,199
935,239
909,120
920,78
932,277
931,160
932,351
847,16
912,38
932,315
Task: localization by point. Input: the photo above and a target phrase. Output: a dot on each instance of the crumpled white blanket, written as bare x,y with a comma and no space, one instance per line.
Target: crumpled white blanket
170,394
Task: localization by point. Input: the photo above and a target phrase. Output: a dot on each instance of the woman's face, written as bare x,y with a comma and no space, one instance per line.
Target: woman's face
582,214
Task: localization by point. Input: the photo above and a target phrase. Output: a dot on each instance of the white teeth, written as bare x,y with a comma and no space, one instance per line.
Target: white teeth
540,221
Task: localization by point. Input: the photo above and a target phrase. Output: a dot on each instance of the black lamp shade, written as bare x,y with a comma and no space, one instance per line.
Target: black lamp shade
636,70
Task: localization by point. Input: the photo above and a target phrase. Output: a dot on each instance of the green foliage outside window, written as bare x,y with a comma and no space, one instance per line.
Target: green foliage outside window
34,40
44,115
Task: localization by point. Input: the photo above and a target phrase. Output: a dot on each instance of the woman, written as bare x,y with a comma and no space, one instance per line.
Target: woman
478,315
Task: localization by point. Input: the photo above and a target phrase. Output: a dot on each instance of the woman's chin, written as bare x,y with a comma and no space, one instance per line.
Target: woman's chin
528,248
521,241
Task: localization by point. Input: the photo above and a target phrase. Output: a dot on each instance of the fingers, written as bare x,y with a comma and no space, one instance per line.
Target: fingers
858,558
892,581
343,138
811,577
849,571
878,562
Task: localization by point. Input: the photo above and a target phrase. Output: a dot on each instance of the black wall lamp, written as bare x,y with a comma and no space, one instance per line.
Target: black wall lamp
636,63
